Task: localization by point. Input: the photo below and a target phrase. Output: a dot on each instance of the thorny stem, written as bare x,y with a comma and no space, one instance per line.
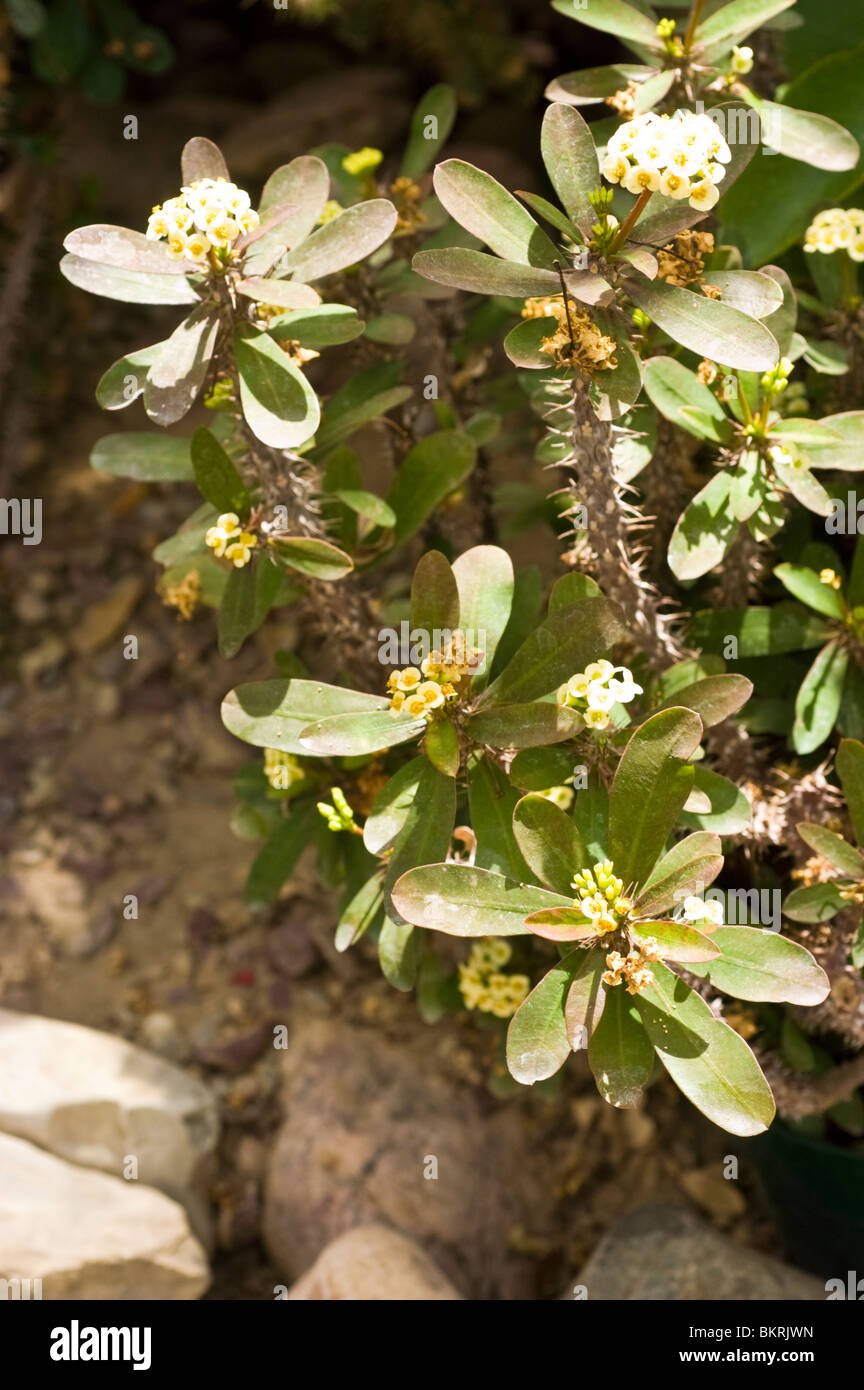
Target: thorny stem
612,524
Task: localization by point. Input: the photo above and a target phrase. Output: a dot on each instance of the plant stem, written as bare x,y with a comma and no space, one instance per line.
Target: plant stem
629,222
693,21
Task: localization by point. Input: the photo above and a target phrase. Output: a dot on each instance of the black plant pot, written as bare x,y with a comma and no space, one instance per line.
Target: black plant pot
816,1195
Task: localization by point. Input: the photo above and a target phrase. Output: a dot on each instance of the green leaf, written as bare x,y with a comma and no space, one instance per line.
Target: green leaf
738,19
619,1053
304,184
425,836
274,862
273,714
709,1062
806,136
713,698
124,381
353,735
549,842
803,486
706,326
704,531
434,597
431,124
671,385
360,914
571,163
750,291
127,285
586,998
442,747
218,480
524,343
565,642
676,940
485,209
491,802
561,924
278,403
613,17
201,159
782,322
817,903
123,249
484,579
591,816
804,584
368,505
464,901
288,294
818,700
536,769
763,966
392,807
651,784
730,810
837,851
530,725
847,451
180,366
774,201
345,240
429,471
850,770
760,631
464,269
309,555
247,600
327,325
149,458
591,85
537,1042
687,868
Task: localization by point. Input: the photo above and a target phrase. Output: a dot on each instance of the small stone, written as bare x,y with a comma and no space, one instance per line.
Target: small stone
720,1197
88,1236
666,1254
289,950
373,1264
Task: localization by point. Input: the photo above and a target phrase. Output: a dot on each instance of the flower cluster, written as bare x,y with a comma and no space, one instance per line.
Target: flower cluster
227,538
282,770
632,969
776,381
184,595
697,910
837,229
594,691
601,897
831,578
208,215
577,341
444,670
741,61
482,984
680,156
681,261
410,694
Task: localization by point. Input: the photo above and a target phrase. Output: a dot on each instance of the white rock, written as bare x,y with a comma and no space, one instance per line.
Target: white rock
89,1236
104,1103
373,1264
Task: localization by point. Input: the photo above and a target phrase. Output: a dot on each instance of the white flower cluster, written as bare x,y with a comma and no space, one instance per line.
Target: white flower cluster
837,229
594,691
697,910
680,156
208,215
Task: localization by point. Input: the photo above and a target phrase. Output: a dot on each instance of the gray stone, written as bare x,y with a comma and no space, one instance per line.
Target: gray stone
665,1254
100,1101
373,1264
89,1236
